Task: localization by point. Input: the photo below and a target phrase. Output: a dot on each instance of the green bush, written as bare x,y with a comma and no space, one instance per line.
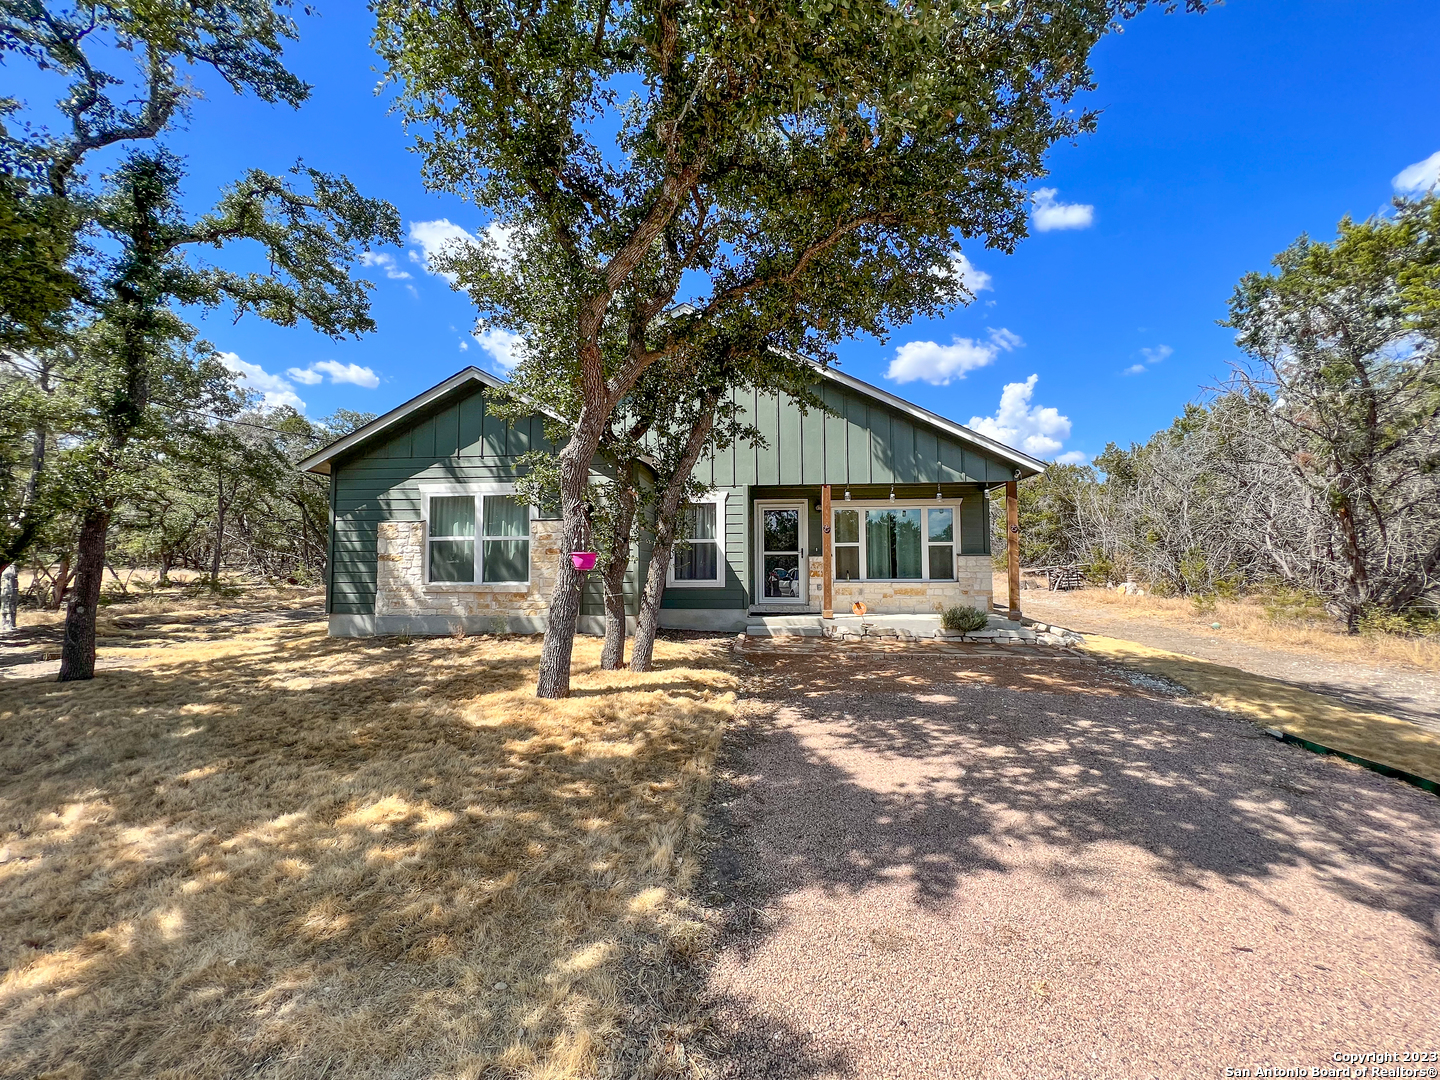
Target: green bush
1407,623
1285,604
963,618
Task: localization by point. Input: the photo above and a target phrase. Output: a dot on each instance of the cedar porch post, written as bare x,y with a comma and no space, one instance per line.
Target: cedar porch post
827,554
1012,544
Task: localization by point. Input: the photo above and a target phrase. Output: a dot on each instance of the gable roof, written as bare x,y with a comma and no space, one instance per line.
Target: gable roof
320,461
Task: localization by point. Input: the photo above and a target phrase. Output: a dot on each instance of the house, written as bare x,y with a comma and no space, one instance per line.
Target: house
427,536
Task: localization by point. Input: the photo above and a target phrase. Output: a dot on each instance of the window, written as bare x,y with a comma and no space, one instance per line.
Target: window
503,552
506,555
892,544
452,538
699,555
897,543
847,545
941,525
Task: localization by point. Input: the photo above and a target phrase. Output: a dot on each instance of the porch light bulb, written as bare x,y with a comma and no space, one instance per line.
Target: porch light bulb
847,494
892,492
938,496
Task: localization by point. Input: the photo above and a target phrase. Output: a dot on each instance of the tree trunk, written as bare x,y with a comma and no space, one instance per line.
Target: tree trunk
219,533
165,559
77,654
9,598
647,622
62,582
612,656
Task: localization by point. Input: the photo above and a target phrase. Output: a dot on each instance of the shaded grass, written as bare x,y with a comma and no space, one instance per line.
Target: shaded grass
1249,620
283,855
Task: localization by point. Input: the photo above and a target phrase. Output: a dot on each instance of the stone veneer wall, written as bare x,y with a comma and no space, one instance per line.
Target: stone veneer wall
972,586
400,588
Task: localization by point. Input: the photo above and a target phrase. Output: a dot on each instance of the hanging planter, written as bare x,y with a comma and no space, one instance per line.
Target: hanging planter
584,560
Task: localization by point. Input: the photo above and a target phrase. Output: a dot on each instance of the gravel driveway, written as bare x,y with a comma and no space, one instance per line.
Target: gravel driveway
946,863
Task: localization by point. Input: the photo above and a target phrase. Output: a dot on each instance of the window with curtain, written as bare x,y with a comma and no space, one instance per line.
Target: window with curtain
940,526
506,539
846,544
893,544
503,538
697,548
452,538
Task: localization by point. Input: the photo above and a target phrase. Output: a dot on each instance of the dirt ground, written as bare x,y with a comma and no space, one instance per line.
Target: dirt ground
1377,686
941,864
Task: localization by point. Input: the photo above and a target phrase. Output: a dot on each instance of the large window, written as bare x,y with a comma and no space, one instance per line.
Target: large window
498,553
894,543
699,555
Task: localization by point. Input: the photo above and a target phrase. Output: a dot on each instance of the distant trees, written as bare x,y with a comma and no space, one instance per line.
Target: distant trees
1316,466
113,389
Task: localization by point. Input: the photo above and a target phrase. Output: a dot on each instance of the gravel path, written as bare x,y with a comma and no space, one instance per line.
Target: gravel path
941,864
1384,688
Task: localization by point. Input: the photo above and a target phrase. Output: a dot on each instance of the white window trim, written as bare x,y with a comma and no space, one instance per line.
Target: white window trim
717,498
477,491
862,505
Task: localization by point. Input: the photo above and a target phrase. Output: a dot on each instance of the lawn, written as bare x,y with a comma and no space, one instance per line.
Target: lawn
274,854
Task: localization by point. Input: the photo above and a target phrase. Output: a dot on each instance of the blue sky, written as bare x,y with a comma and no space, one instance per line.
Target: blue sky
1223,137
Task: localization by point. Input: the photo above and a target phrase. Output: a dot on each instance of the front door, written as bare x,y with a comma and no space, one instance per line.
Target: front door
783,576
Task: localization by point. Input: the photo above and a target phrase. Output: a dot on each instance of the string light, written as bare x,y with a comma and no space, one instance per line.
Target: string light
892,492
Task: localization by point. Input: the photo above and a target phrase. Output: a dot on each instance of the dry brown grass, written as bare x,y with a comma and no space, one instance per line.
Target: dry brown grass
282,855
1249,621
182,606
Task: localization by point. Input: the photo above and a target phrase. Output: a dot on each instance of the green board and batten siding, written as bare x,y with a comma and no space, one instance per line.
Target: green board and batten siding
864,442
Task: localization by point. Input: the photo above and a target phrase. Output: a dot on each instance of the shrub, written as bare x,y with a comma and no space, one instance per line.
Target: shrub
961,617
1411,623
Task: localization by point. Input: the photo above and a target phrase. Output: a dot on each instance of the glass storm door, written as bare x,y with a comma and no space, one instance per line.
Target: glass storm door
783,577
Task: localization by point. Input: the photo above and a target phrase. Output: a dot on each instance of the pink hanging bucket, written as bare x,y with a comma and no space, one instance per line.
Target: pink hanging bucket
584,560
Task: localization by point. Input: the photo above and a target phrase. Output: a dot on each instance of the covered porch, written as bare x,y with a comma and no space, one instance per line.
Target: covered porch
897,549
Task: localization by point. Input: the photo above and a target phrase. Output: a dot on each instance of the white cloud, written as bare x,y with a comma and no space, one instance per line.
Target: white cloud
1050,214
386,262
348,373
1419,178
960,266
433,237
353,374
1074,457
1039,431
276,390
504,347
940,364
1154,356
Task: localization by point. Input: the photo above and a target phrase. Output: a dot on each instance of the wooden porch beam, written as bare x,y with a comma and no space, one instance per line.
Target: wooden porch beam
1012,544
827,555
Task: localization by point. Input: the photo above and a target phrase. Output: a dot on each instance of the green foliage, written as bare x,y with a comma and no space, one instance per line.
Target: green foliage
1285,603
964,618
1412,622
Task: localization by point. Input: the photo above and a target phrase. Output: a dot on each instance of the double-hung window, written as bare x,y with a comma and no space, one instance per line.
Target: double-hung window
699,554
894,543
477,538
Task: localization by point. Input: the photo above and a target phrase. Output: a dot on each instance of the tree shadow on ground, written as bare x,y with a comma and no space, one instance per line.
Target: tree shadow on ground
286,855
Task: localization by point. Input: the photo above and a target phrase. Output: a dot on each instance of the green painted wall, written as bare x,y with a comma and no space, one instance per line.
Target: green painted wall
862,441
